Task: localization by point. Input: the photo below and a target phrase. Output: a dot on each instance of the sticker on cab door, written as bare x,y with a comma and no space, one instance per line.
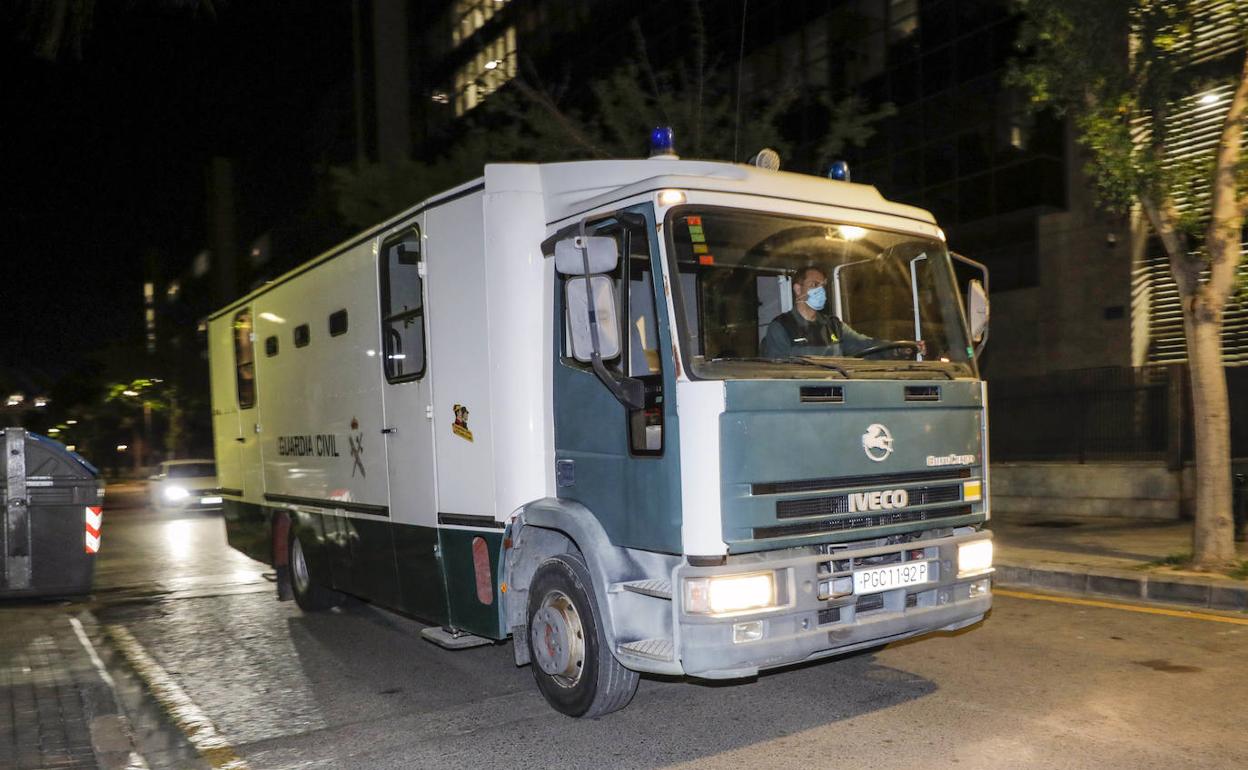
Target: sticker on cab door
460,426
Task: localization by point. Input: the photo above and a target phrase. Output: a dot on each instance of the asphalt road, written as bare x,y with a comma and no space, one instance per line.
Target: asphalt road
1038,684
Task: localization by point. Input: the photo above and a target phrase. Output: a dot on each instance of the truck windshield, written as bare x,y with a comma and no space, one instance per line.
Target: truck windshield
749,306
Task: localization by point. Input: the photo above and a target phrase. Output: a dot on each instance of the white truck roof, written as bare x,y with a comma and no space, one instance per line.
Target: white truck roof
574,187
571,188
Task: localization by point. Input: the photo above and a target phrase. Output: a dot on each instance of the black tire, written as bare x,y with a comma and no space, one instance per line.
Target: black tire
575,671
310,595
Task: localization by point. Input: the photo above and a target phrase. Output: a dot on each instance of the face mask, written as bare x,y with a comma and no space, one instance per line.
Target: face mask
817,298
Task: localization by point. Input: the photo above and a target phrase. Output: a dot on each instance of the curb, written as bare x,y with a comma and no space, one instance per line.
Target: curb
1125,585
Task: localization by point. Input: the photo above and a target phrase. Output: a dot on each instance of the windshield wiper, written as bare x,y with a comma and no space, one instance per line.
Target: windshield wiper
804,360
911,367
825,364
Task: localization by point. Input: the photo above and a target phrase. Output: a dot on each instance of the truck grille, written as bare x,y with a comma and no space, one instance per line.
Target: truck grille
846,482
861,522
829,506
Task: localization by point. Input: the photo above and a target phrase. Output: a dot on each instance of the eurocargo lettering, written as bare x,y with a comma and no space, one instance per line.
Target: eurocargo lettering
680,417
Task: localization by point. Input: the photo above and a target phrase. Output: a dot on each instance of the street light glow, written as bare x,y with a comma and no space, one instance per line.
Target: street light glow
129,392
1210,99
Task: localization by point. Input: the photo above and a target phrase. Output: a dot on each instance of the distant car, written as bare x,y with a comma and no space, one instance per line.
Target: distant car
185,485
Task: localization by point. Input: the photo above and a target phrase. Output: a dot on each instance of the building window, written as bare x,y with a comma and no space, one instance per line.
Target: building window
492,67
468,16
303,335
338,323
270,346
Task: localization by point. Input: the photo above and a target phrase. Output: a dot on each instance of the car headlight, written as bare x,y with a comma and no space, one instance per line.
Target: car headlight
175,493
726,594
974,558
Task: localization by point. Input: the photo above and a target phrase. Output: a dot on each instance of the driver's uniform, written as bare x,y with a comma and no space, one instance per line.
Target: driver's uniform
789,334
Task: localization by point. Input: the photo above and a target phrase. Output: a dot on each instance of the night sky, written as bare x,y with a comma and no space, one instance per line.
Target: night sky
103,155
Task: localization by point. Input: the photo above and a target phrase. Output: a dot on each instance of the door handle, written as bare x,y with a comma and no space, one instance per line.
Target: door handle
388,431
241,440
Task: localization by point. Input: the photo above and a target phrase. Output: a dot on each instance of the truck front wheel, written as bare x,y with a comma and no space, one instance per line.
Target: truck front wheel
575,670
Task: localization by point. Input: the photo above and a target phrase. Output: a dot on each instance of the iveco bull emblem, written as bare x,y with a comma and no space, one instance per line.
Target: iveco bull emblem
877,442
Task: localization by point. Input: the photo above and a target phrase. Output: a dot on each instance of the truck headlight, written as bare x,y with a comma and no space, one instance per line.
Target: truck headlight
175,493
726,594
974,558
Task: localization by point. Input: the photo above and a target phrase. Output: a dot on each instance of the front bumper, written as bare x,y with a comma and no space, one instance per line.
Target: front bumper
204,503
808,627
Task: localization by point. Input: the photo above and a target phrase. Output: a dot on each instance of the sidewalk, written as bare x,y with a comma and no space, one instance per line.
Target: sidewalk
57,705
1110,556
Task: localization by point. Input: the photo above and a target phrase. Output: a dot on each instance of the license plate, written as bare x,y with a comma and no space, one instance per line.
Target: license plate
872,581
209,501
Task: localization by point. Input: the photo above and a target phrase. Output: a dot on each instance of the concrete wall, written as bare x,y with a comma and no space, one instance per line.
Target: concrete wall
1052,490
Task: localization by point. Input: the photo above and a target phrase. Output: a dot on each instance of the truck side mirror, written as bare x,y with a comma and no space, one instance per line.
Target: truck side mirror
589,297
571,254
977,312
582,318
976,302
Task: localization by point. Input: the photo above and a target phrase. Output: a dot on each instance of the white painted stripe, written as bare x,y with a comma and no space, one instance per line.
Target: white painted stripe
135,760
92,543
94,517
1188,614
699,405
182,711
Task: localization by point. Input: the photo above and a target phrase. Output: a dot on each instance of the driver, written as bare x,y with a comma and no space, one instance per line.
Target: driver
806,330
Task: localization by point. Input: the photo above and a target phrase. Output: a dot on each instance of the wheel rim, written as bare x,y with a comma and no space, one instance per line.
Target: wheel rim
557,639
299,567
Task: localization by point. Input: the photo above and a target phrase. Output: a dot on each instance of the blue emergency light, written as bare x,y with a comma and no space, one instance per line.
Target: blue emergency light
839,170
662,142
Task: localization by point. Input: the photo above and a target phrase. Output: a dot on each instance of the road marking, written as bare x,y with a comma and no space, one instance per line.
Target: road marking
193,722
134,761
1116,606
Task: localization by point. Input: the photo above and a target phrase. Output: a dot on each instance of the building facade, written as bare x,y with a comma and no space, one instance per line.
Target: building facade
1073,287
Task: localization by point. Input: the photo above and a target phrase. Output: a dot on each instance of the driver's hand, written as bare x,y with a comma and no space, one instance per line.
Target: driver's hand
922,347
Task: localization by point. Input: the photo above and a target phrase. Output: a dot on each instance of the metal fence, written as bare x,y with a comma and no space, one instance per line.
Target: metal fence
1087,414
1113,413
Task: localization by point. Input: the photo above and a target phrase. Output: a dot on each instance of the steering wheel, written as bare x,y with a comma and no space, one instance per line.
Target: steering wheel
894,345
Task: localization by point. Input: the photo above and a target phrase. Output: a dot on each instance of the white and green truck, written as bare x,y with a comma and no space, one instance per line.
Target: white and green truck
539,406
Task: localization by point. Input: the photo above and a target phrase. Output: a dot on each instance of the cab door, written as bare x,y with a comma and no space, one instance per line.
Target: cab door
622,463
408,431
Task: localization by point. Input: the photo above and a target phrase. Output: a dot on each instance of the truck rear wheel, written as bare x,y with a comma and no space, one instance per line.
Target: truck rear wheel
575,670
309,595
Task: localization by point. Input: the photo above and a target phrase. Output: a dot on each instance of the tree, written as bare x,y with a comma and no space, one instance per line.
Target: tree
134,403
535,120
1121,69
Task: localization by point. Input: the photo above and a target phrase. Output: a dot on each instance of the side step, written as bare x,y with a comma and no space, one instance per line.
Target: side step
659,589
453,640
663,650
